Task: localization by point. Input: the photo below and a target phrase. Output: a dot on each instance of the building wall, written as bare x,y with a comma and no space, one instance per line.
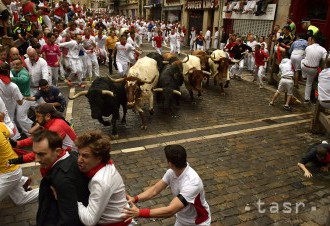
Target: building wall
282,12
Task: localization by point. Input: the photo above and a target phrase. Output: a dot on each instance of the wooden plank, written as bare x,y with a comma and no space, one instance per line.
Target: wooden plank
315,123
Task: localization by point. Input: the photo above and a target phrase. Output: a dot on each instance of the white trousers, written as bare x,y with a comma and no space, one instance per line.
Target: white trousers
296,61
11,184
222,45
308,73
237,69
199,47
76,69
178,45
63,64
215,43
173,48
250,62
53,75
260,70
122,68
159,50
92,65
208,42
149,36
22,115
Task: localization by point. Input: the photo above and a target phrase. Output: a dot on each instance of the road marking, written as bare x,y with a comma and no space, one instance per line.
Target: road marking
202,128
69,109
208,137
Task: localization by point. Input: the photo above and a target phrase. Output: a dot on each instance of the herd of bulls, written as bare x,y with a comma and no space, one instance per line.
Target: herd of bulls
154,74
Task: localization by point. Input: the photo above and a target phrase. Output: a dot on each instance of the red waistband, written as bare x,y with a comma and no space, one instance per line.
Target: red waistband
122,223
309,66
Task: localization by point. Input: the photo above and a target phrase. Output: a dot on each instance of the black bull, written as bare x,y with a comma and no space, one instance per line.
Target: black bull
168,86
105,98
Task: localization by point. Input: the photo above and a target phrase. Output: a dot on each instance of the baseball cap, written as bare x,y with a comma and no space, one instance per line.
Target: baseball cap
46,108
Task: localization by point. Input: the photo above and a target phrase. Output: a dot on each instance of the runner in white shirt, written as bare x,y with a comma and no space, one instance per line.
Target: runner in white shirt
74,61
132,41
208,38
9,92
314,55
173,39
37,68
192,39
189,204
100,46
89,45
122,51
8,121
250,61
107,190
180,38
216,38
324,86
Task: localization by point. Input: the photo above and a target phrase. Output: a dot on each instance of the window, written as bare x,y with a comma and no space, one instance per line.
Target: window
317,10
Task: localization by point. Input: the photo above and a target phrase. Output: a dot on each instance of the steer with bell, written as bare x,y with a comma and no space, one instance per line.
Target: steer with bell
105,98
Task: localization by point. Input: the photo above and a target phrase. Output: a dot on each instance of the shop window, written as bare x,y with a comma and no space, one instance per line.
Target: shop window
317,10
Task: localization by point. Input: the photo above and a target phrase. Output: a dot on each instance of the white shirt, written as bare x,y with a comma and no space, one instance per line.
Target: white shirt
123,52
100,42
73,47
173,38
191,187
216,35
10,93
131,42
180,37
37,71
88,44
314,54
7,119
286,68
324,85
107,198
208,35
252,44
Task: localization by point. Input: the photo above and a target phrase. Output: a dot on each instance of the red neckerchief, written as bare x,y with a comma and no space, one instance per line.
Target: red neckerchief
5,79
44,171
94,170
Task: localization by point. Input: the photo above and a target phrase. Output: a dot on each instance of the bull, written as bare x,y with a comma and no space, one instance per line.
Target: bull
141,78
204,57
169,83
159,58
219,63
193,75
105,98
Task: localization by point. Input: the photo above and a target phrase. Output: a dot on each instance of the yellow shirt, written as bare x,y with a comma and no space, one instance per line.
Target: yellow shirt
6,151
110,42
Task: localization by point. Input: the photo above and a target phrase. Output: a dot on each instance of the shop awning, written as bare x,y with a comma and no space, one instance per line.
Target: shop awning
170,8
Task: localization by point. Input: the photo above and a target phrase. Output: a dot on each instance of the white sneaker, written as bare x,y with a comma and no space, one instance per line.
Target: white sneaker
324,142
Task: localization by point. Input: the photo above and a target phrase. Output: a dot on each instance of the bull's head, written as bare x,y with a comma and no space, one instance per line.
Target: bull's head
97,101
132,88
168,95
195,79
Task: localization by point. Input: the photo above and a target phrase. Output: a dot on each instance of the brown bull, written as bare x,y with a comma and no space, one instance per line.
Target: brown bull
220,71
204,57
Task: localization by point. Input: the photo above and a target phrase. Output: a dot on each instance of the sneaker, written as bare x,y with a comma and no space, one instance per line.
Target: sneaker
287,108
271,104
324,142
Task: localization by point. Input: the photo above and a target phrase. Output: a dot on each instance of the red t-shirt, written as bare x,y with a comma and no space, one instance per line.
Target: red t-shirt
158,40
229,46
51,52
59,12
29,8
260,57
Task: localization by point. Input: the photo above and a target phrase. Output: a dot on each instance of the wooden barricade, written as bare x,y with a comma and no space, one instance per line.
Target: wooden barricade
321,121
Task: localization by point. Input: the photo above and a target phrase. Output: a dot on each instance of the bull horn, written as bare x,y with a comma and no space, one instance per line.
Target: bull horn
158,89
78,95
206,73
117,79
166,62
107,92
177,92
186,60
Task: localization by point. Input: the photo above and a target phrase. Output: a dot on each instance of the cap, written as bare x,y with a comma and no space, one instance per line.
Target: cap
48,109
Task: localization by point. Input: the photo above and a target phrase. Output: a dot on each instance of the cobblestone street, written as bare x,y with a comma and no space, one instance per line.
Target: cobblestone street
245,151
